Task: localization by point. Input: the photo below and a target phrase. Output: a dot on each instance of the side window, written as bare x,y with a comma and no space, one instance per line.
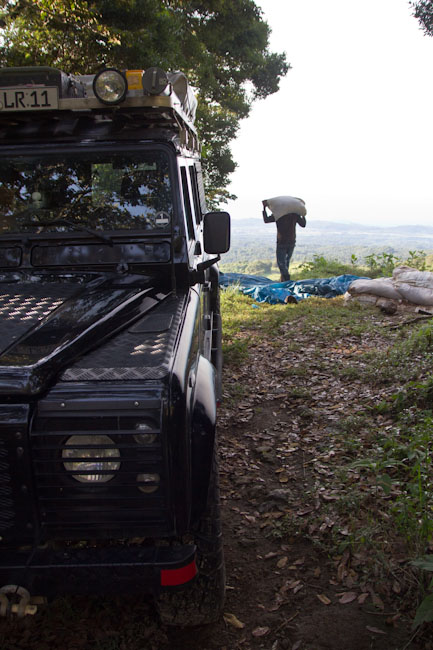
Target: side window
200,187
187,203
195,195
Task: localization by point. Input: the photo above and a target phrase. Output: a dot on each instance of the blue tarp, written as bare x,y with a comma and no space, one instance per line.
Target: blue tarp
265,290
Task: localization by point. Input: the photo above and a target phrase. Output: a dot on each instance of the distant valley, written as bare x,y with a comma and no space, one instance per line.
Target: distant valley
252,239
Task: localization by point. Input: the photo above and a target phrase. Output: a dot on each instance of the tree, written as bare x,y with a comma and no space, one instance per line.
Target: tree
221,45
423,11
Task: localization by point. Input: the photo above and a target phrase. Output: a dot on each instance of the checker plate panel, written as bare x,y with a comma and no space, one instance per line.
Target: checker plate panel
144,351
23,305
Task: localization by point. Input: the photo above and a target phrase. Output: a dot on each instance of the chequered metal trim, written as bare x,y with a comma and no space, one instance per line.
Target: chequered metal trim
143,351
111,374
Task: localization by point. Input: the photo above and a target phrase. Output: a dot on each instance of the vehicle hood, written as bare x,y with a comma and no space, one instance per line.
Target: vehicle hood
48,322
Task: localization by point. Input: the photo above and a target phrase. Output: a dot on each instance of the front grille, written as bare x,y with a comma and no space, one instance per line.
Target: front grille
132,498
6,502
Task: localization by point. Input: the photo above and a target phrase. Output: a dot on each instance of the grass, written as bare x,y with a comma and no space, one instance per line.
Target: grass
384,471
410,356
241,320
399,464
396,466
241,314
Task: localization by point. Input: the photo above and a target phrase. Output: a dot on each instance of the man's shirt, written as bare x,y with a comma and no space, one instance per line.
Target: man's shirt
286,228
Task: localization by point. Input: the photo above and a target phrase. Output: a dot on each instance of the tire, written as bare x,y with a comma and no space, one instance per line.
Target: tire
202,601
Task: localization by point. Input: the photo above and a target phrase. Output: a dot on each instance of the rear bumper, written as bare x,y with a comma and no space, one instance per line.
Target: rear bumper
112,570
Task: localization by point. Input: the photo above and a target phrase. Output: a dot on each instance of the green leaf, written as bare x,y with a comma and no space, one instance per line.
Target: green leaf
385,482
425,563
424,613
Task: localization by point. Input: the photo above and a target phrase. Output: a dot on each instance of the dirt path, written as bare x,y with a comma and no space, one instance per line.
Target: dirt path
275,450
278,459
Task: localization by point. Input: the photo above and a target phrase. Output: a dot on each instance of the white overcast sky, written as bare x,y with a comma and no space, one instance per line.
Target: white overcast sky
350,129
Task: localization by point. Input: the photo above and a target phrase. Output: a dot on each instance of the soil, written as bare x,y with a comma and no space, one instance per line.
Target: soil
285,590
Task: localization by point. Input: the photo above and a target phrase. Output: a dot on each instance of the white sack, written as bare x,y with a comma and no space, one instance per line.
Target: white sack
417,295
400,306
413,285
406,275
281,205
364,298
377,287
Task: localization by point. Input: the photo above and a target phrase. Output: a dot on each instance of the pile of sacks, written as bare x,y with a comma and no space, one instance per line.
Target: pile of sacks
407,290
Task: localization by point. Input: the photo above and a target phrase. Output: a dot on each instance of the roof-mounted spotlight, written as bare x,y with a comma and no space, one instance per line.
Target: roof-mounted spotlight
110,86
155,81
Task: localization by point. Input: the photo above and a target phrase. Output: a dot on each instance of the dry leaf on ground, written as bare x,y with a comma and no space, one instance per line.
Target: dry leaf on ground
347,597
375,630
235,622
260,631
324,599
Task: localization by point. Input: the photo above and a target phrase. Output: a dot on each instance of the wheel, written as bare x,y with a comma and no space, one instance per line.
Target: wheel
202,601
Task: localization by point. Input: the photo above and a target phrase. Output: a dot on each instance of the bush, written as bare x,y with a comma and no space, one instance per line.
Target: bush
375,265
320,267
383,264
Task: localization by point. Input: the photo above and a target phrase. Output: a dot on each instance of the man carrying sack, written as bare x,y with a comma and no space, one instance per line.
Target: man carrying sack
287,212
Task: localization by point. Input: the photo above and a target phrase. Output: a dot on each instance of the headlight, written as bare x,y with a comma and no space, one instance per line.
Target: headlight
148,483
145,435
96,458
110,86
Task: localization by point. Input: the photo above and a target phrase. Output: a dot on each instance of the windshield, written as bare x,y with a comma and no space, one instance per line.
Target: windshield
99,190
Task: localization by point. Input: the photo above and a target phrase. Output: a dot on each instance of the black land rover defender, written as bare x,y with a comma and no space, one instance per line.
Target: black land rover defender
110,357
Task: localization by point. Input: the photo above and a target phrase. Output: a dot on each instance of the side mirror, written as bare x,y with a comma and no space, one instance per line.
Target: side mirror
216,232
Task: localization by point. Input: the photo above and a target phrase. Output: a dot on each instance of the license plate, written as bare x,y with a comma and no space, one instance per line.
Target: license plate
28,99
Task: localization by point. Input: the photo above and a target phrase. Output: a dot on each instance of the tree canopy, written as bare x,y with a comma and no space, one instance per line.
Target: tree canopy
221,45
423,10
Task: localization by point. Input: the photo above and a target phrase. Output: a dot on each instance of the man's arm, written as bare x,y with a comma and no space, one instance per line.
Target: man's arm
267,218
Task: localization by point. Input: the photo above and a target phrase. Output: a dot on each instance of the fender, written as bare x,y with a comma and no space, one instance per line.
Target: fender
203,424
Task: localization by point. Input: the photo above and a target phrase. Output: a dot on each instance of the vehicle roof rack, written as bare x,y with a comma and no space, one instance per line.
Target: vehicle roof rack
152,99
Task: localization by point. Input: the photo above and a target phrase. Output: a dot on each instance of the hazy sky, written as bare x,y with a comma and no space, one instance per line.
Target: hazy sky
350,129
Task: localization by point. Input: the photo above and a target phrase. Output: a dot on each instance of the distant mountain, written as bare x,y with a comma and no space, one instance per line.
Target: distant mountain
413,230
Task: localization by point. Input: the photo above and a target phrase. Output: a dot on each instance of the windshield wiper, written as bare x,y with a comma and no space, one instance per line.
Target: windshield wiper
75,226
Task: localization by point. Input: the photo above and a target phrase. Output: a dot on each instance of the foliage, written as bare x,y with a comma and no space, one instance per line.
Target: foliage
401,456
320,267
423,11
405,463
376,265
417,260
222,47
424,613
384,263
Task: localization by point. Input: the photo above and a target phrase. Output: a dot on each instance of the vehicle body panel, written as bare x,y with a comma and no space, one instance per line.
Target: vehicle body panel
108,343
